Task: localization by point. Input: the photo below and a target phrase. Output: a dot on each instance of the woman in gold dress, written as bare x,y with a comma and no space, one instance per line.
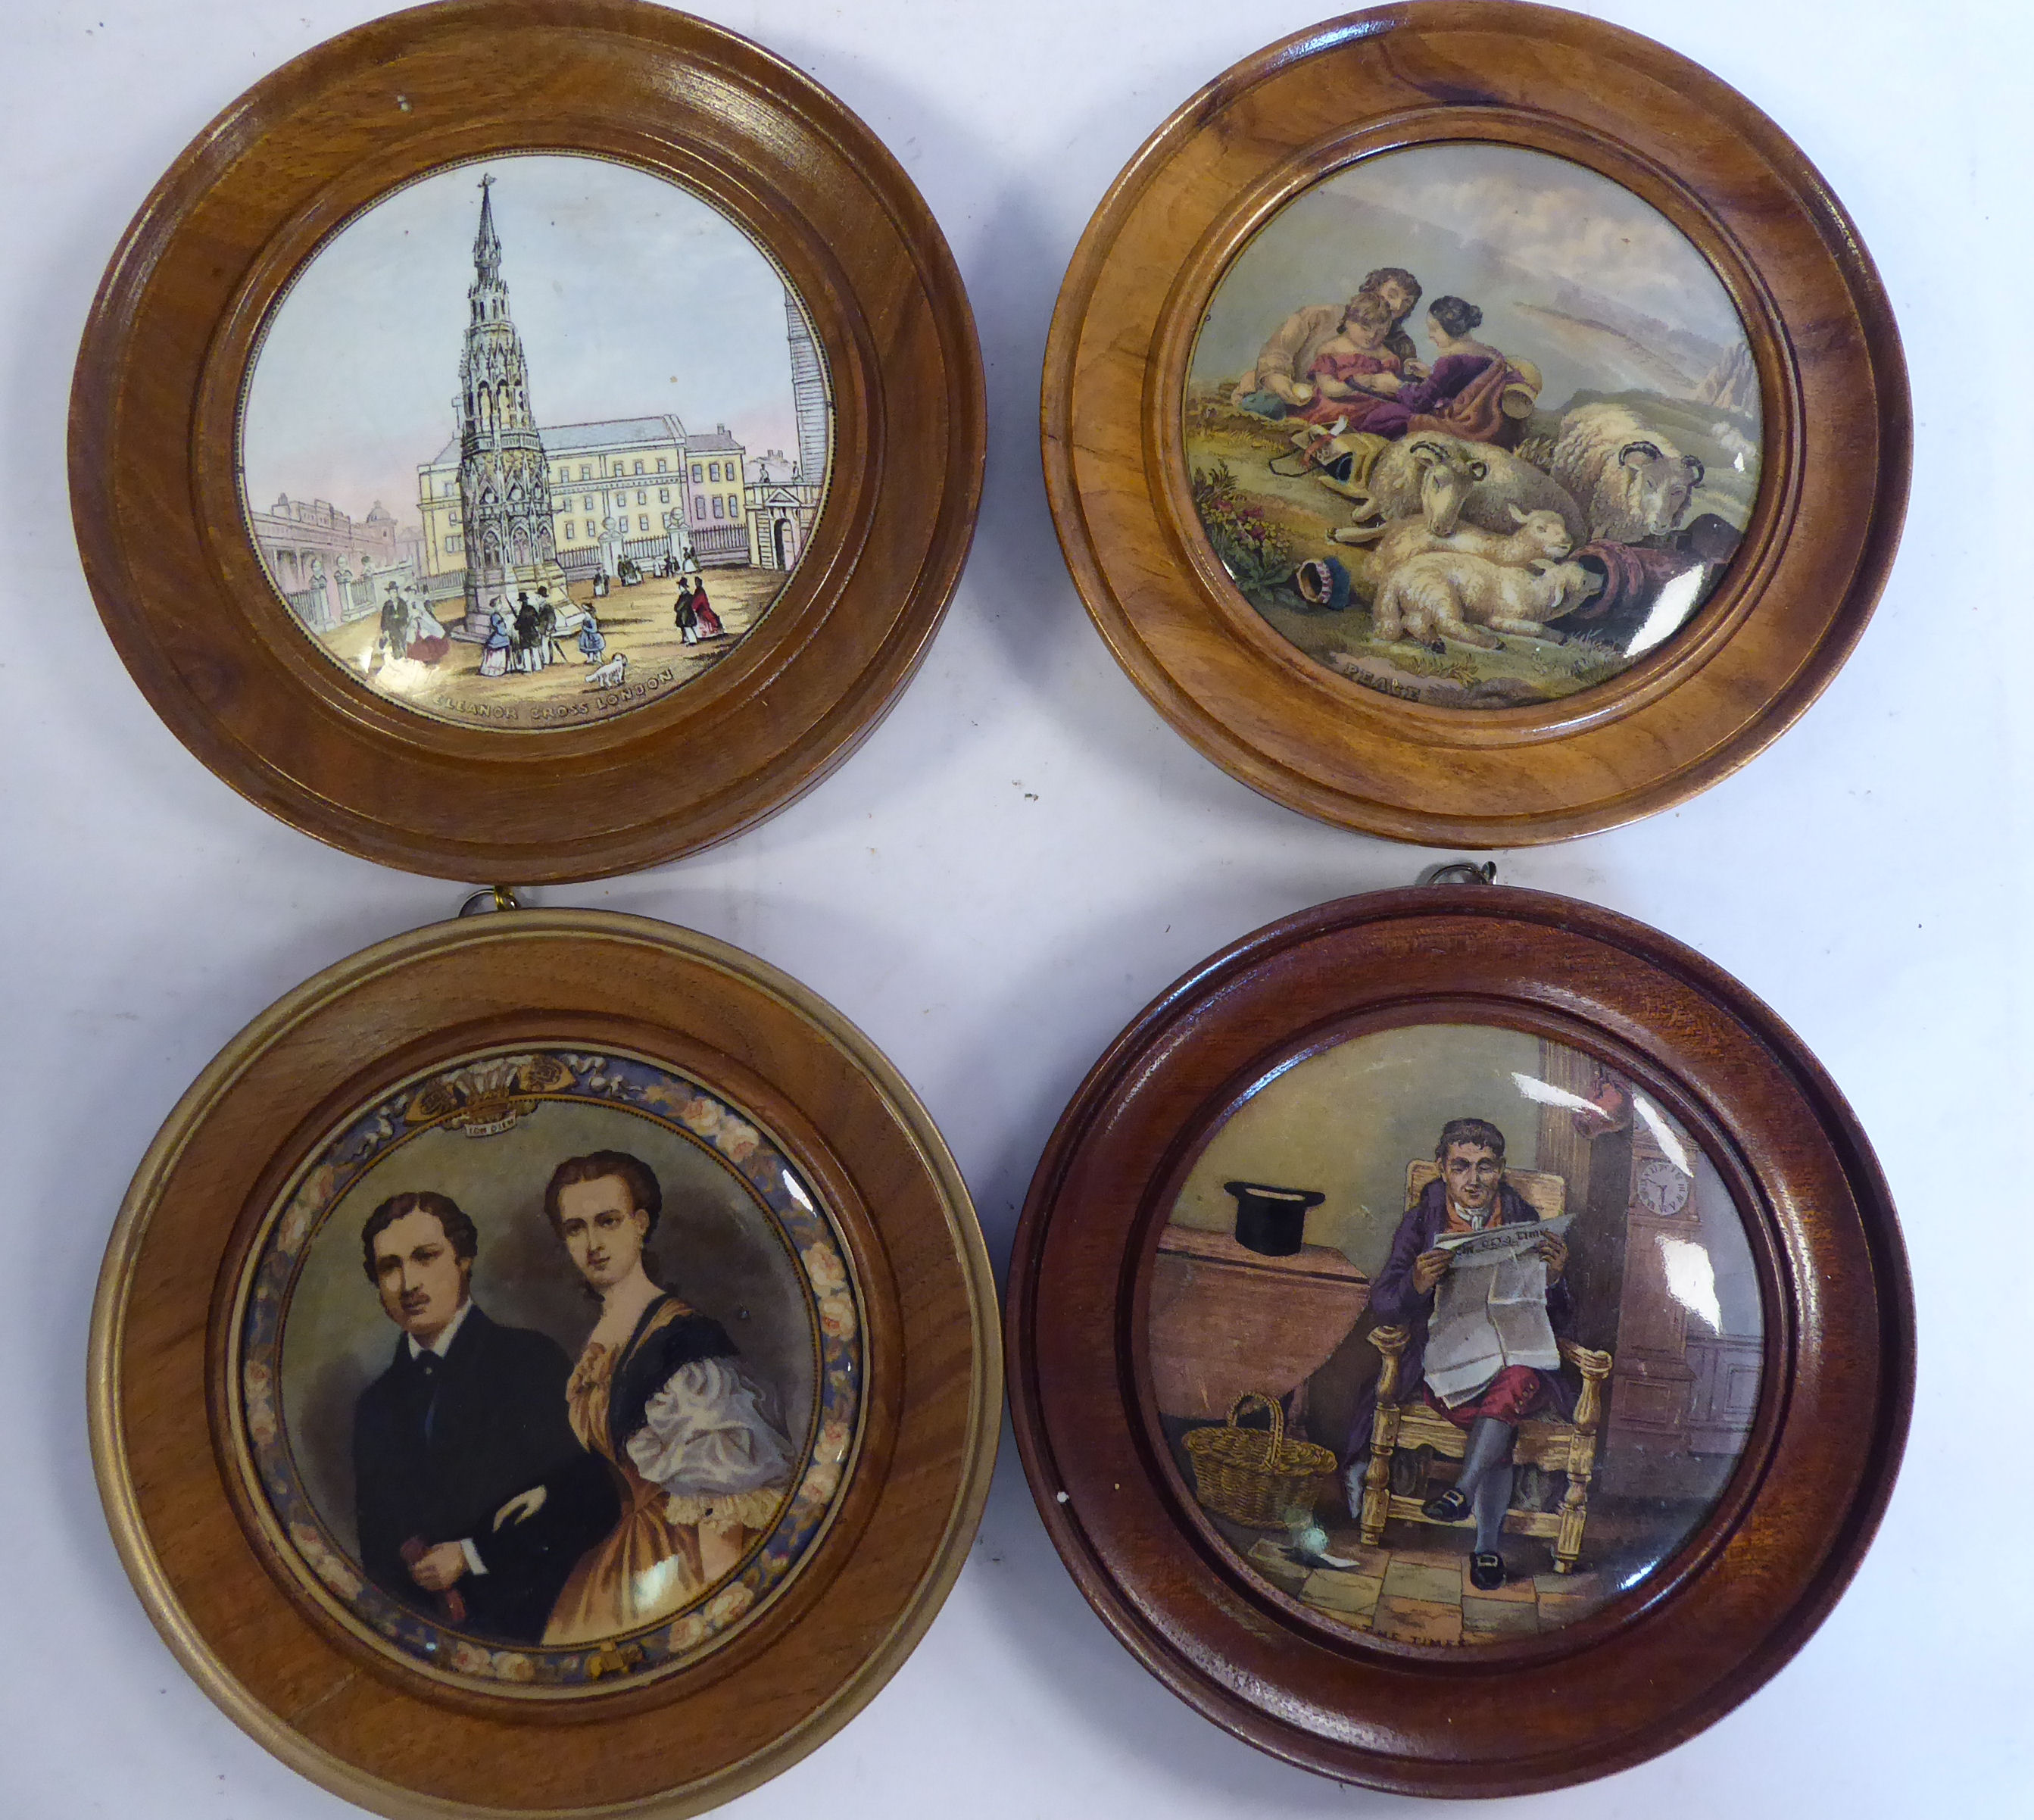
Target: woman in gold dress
695,1444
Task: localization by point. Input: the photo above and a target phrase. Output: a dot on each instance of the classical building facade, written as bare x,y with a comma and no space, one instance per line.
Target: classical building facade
641,487
318,554
783,509
506,501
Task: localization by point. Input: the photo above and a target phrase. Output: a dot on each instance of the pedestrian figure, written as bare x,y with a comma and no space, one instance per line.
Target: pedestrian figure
393,641
530,651
547,627
590,642
709,621
428,640
500,635
685,615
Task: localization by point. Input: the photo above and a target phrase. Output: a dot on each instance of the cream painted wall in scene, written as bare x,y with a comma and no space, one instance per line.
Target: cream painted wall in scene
1347,1121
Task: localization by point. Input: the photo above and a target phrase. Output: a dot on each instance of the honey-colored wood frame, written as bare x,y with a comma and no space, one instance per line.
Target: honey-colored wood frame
345,1714
1657,1664
154,460
1837,428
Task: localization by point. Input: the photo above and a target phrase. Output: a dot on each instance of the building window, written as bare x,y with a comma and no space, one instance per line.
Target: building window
639,468
699,505
717,512
569,531
697,476
591,533
642,498
663,496
660,467
586,504
643,521
585,473
453,544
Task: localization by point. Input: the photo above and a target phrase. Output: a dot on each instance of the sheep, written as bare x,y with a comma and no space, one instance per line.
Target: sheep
1540,539
1451,593
611,674
1632,481
1437,528
1499,481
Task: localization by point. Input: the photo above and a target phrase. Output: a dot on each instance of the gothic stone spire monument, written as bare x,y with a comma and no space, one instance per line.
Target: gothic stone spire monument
503,483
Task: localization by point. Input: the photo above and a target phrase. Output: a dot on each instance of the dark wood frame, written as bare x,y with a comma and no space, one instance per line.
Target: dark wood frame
154,407
346,1714
1657,1665
1838,432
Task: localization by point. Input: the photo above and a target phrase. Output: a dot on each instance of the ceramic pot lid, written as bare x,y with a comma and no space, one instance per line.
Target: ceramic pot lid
547,1364
1565,1412
528,446
1475,424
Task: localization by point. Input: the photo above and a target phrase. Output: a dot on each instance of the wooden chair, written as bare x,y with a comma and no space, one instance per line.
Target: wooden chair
1552,1445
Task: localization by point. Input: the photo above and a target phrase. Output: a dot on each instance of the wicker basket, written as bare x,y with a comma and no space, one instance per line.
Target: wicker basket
1261,1481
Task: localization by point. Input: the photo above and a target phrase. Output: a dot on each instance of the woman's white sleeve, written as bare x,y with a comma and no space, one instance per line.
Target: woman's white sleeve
710,1441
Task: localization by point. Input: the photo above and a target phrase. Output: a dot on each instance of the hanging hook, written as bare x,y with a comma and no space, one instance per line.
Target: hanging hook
494,897
1461,872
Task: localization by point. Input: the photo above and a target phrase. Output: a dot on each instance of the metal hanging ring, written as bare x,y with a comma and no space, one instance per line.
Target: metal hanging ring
497,896
1461,872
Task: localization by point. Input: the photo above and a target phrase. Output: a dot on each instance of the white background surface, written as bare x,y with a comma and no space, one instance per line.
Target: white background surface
1023,855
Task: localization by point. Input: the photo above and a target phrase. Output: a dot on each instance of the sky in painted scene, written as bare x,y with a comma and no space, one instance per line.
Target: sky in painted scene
1513,231
632,298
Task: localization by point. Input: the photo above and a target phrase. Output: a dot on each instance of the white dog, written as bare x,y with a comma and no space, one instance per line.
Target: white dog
611,674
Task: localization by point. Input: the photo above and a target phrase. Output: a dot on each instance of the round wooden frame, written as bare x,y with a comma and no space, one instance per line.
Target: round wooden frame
154,429
1838,432
1714,1622
163,1435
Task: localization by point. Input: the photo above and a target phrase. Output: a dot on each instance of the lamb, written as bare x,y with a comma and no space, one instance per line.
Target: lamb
1540,540
1439,594
611,674
1630,480
1498,480
1443,488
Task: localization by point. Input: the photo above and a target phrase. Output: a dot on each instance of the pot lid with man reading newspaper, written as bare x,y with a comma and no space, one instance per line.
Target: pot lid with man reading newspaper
1448,1248
525,446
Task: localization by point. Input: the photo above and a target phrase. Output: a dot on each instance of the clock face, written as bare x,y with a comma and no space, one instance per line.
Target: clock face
1662,1187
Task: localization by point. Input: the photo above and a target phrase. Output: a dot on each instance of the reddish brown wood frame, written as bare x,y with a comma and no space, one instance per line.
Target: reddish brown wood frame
1689,1643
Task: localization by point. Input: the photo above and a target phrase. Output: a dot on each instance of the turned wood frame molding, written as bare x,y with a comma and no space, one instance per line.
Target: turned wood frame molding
1707,1628
157,395
1837,434
162,1418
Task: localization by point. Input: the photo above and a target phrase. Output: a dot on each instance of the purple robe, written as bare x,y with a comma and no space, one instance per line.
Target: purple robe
1390,417
1395,1302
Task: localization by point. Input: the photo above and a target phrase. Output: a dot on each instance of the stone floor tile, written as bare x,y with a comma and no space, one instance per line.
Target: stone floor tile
1417,1621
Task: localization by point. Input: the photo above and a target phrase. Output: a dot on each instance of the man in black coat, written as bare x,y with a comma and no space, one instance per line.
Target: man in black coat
473,1497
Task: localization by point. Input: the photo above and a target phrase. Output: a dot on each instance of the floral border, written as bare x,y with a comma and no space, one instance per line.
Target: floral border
477,1094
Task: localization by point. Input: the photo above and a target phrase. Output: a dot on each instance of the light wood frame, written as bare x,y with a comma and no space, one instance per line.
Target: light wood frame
1837,418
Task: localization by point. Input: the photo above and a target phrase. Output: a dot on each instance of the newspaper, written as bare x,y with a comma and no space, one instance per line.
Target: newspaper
1490,1310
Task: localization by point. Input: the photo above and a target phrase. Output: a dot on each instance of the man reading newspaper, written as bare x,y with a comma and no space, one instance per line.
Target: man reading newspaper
1483,1305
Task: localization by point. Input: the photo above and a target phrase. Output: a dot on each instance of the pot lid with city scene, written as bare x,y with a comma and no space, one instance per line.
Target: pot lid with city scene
578,1400
1460,1341
524,446
1475,424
